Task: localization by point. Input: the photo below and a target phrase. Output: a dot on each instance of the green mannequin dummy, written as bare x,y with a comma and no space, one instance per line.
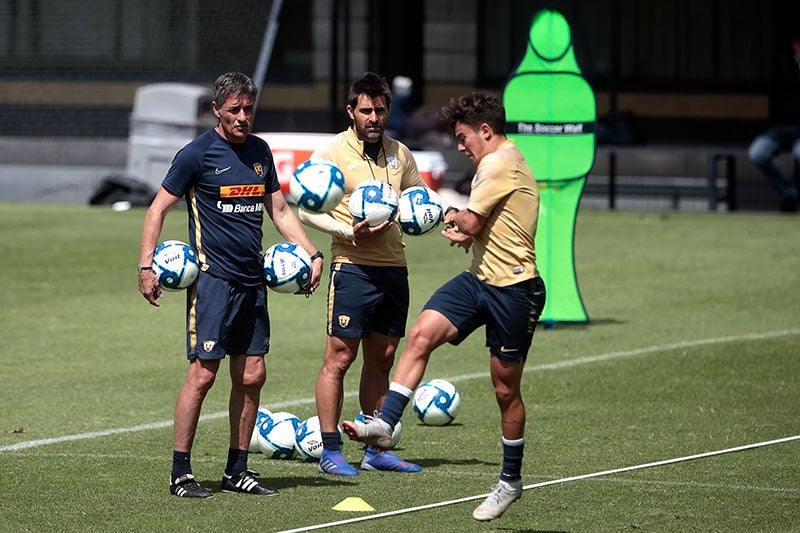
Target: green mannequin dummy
551,113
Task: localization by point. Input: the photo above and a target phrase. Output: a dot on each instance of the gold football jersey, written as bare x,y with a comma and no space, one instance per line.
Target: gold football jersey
396,166
505,192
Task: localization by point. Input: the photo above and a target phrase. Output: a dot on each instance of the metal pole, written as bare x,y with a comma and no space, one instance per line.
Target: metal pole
346,45
266,47
333,102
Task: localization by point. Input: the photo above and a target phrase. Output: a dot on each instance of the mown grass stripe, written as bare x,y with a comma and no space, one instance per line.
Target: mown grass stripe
464,377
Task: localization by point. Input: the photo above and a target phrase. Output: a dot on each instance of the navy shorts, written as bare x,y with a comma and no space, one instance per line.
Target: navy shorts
363,299
509,313
225,318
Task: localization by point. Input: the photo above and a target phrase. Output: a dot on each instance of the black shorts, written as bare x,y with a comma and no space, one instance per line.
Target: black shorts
363,299
509,313
225,318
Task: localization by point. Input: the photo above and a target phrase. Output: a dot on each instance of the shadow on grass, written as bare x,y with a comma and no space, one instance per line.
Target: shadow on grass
441,461
529,530
288,482
547,325
317,480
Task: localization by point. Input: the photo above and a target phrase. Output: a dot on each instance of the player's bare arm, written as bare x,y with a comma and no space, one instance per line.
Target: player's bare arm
460,226
151,231
468,222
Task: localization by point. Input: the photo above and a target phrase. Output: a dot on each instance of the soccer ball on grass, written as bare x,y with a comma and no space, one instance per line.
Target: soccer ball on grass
274,434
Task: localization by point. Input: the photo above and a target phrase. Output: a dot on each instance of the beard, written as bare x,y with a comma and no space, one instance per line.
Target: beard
369,133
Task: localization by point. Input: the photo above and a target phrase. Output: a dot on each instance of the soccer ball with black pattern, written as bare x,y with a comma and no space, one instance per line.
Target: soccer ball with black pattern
287,267
317,186
373,200
175,265
420,210
436,402
273,434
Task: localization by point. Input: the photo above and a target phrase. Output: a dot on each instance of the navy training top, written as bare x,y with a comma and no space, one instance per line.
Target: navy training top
224,185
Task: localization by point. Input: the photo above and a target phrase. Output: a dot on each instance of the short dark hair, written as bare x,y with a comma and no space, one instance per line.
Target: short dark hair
473,110
371,84
234,83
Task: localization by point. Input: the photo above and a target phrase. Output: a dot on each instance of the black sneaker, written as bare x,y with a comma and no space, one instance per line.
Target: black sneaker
246,482
187,487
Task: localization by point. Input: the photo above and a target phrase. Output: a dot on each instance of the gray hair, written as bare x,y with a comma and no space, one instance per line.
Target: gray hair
234,83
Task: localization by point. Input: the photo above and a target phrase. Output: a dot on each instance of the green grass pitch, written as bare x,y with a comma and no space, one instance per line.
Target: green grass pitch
693,346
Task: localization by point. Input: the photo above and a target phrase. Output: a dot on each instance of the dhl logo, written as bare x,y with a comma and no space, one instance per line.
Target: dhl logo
238,191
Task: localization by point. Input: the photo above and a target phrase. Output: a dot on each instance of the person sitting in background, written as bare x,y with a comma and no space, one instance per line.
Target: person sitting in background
766,146
402,107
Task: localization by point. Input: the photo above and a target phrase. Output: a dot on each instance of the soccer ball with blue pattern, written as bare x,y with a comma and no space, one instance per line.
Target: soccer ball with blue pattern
373,200
175,265
273,434
308,439
287,267
436,402
255,446
421,210
317,186
396,434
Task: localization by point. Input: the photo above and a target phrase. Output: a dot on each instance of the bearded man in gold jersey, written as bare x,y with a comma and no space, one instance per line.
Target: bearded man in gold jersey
368,293
501,289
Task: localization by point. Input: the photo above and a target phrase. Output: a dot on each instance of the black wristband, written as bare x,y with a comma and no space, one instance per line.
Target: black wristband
317,255
140,268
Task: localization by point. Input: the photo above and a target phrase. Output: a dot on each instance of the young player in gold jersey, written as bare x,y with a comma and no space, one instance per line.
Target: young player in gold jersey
501,289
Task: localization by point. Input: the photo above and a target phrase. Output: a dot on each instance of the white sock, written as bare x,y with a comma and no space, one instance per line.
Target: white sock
516,442
400,389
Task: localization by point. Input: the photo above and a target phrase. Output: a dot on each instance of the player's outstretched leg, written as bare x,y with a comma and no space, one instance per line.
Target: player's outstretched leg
373,431
502,496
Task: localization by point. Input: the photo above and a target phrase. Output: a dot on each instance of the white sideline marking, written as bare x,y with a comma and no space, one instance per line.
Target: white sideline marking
746,488
305,401
543,484
302,466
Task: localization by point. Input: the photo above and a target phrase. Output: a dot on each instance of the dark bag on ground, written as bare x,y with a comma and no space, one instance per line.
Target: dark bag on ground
121,188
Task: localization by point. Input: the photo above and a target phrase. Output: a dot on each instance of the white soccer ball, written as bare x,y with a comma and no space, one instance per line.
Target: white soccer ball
373,200
273,434
255,438
175,265
308,439
421,210
287,267
396,434
317,186
436,402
